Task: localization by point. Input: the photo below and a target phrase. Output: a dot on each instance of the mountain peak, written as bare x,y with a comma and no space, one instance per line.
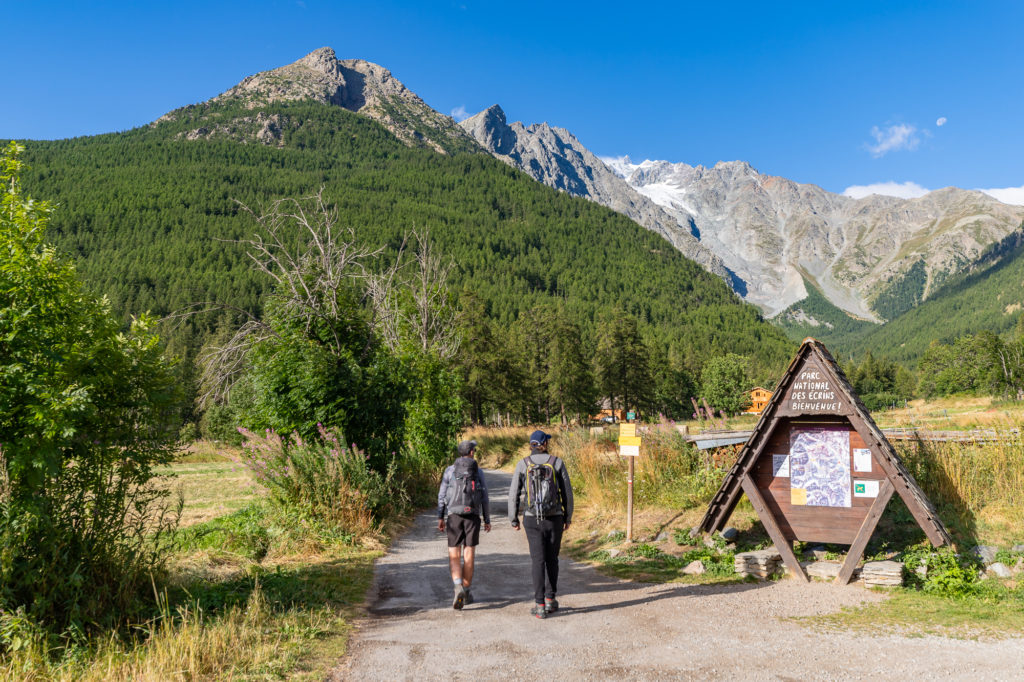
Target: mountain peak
354,84
490,128
322,60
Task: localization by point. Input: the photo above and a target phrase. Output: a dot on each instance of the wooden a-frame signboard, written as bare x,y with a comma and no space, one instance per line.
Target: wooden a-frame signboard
818,469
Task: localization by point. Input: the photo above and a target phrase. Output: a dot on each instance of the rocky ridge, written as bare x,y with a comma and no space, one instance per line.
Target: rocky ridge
775,232
766,235
555,157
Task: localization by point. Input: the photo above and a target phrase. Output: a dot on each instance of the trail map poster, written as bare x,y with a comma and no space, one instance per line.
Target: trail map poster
819,467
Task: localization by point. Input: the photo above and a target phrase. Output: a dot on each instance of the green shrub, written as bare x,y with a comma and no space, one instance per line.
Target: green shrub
87,412
881,401
220,423
324,480
948,574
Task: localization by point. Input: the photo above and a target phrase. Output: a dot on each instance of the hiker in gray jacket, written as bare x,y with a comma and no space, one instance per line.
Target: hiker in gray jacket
460,501
543,482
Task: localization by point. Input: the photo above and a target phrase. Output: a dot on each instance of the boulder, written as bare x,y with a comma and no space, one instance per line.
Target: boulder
1000,570
824,570
694,568
817,553
612,553
1017,548
987,553
730,534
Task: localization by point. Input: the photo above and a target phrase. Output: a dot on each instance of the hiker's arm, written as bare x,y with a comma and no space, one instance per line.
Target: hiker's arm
566,491
513,496
442,498
485,497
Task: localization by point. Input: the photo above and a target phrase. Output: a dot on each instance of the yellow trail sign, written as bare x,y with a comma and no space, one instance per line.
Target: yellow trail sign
629,440
627,430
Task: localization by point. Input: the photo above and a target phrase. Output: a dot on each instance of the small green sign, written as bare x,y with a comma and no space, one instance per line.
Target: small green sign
859,488
631,416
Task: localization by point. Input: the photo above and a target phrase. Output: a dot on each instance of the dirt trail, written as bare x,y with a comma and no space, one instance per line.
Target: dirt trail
609,628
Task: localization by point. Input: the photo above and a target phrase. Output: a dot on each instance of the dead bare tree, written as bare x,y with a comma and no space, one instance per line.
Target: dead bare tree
429,321
314,280
311,281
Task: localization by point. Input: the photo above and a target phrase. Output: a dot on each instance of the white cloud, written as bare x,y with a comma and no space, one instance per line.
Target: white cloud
459,113
941,121
903,190
1007,195
893,138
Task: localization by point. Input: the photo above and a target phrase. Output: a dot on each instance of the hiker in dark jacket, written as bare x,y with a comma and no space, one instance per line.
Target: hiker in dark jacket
543,481
460,516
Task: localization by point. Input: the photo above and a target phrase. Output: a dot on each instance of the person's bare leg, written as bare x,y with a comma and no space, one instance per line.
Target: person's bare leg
455,563
469,553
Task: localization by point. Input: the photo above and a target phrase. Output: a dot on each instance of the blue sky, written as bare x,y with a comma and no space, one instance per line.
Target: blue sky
838,94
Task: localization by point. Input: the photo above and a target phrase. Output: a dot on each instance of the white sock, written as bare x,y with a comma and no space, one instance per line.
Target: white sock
457,582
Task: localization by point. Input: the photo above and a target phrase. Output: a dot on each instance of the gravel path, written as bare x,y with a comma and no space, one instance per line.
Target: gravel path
609,628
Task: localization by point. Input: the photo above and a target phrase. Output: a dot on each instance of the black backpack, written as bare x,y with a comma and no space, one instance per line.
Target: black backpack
542,496
464,494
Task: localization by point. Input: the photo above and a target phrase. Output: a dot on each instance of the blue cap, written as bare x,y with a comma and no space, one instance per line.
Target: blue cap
539,437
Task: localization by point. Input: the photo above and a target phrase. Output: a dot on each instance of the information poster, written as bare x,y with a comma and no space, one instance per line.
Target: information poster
862,460
819,467
865,488
780,466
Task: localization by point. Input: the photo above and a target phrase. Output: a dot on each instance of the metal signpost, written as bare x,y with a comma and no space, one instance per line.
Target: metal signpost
629,446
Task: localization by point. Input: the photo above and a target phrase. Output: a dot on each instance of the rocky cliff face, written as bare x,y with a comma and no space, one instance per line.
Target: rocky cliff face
774,232
353,84
555,157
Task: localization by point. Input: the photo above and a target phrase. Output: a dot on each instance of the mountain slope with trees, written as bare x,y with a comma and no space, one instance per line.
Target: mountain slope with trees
152,217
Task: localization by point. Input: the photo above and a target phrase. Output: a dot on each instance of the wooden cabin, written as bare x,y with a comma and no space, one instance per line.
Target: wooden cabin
759,398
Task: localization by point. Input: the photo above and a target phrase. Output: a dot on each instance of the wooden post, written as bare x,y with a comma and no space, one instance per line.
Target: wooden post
629,501
864,534
784,546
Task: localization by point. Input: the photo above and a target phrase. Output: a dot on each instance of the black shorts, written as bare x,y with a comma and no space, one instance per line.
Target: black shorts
463,529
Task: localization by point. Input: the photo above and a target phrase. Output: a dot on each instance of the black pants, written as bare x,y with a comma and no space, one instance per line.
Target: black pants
545,538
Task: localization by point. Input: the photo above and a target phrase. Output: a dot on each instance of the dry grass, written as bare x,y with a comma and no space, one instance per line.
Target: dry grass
669,473
954,413
227,615
980,485
292,624
207,451
501,446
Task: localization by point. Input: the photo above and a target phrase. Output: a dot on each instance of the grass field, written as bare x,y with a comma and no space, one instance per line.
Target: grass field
244,598
210,489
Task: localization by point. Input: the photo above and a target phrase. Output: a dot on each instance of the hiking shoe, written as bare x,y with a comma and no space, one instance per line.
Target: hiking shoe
468,598
539,611
551,605
460,598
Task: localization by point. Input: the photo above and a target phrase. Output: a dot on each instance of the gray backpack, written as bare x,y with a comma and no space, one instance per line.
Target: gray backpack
464,493
542,494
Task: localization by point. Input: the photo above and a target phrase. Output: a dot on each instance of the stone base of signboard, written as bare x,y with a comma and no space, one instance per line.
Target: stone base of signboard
871,574
824,570
762,564
882,574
